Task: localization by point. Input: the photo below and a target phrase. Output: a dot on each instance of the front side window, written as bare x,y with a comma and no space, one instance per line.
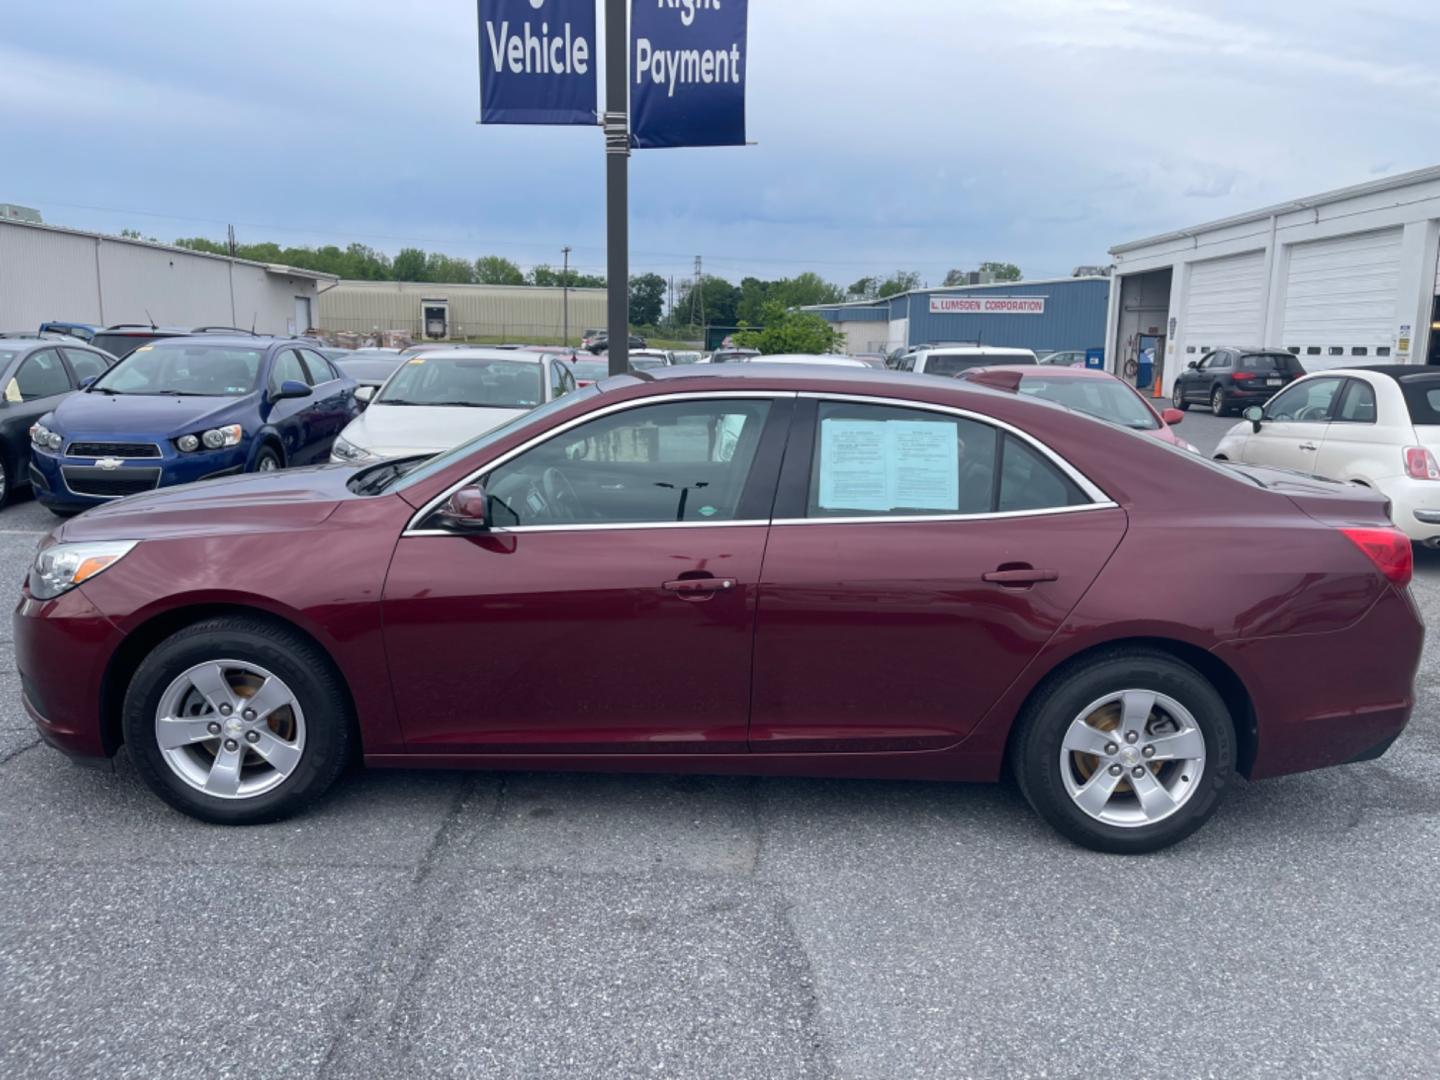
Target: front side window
317,367
655,464
1310,402
557,379
1358,406
41,375
441,381
288,369
85,364
886,461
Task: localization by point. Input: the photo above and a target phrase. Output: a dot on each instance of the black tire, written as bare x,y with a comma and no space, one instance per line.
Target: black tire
267,460
62,513
1177,398
303,667
1036,747
1217,401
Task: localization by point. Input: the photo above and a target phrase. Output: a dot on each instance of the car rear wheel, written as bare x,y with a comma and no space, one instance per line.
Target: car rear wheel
1177,397
1217,401
1127,754
237,721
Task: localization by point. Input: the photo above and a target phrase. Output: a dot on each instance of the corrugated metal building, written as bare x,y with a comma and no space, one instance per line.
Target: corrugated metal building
49,273
1347,277
459,311
1049,315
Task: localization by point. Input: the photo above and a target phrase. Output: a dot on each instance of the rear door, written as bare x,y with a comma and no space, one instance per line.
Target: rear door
919,560
39,383
1297,421
334,405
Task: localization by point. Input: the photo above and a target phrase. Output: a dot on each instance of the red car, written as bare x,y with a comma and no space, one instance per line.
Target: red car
747,569
1095,393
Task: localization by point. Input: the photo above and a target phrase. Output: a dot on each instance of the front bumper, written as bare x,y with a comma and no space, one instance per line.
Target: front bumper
62,648
66,481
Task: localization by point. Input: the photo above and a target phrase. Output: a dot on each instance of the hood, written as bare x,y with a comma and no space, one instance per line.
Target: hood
401,430
152,416
274,501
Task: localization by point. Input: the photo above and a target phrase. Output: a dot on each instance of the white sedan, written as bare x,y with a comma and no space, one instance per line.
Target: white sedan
439,400
1375,426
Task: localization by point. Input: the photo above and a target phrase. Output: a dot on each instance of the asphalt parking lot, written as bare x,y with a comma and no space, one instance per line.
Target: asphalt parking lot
533,925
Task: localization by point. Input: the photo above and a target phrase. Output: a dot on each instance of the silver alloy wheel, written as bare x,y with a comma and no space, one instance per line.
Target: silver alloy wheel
1217,401
267,464
230,729
1133,758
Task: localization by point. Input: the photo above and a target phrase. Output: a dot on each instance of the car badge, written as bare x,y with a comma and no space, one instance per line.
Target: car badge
109,464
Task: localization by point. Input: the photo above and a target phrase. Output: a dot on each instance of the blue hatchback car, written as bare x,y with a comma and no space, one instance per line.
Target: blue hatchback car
189,408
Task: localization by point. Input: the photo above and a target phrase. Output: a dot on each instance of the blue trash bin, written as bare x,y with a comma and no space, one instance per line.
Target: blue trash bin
1145,378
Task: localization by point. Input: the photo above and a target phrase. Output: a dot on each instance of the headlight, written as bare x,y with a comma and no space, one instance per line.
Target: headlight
46,439
348,452
60,567
214,439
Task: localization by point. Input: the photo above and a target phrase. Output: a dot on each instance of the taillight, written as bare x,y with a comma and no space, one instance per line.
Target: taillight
1243,376
1389,550
1420,464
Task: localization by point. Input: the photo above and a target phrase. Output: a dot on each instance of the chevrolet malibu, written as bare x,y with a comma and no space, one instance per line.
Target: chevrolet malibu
850,573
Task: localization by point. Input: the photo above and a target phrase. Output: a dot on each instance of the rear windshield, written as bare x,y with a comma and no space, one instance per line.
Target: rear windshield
953,365
1282,363
122,345
1422,394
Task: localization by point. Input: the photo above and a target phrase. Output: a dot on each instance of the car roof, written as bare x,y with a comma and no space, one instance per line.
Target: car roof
1034,371
1392,371
979,350
247,340
515,356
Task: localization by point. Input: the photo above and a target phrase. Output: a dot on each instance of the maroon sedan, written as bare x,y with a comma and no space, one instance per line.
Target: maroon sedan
747,569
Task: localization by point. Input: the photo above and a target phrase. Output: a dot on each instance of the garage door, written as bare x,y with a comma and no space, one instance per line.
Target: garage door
1341,295
1227,302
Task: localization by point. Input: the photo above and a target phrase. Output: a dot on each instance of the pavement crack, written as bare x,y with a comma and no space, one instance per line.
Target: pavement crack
818,1058
13,754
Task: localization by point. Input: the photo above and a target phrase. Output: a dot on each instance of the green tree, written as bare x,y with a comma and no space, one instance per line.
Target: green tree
497,270
721,301
1002,271
450,271
805,290
790,332
902,281
647,299
867,288
410,265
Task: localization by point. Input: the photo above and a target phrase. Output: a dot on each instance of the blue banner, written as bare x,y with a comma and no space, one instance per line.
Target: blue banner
687,72
537,62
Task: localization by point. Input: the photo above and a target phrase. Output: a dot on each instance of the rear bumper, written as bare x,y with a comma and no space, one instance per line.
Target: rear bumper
1328,699
62,648
1415,507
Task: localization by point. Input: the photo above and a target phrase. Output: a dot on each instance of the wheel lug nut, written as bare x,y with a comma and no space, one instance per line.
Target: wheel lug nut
1139,770
226,710
1116,770
1149,751
252,736
1131,737
231,745
213,728
1111,748
249,714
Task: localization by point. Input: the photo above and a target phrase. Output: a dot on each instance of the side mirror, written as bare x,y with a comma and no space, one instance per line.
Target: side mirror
365,394
1192,366
465,511
290,388
86,382
1256,415
1172,417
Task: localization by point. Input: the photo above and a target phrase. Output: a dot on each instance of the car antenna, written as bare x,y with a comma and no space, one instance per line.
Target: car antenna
254,318
151,318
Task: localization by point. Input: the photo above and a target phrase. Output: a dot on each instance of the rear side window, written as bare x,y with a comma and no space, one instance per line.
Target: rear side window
1282,363
883,461
1422,395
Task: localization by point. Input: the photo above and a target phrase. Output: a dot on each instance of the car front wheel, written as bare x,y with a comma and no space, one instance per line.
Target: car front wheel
1127,754
237,721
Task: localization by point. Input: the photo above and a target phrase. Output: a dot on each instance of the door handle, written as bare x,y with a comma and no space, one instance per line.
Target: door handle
1019,577
1308,446
698,590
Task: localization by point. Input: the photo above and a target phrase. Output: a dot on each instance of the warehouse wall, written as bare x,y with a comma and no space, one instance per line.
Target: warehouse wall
475,310
48,273
1074,317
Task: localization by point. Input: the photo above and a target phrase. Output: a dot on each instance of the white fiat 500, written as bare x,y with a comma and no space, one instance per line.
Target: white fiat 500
1376,426
438,400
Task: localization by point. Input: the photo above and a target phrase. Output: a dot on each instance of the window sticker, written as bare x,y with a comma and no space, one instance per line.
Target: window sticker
885,465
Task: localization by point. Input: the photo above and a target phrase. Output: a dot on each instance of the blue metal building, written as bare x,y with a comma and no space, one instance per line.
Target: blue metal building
1063,313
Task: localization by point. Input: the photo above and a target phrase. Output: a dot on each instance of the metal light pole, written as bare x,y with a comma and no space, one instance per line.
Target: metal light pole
565,281
617,180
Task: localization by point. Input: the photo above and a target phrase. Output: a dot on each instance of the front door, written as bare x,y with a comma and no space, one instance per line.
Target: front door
611,608
1296,423
917,563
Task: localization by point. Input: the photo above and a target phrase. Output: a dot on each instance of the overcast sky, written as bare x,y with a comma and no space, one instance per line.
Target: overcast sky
893,134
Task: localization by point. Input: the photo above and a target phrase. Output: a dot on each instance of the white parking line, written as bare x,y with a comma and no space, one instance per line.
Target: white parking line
22,532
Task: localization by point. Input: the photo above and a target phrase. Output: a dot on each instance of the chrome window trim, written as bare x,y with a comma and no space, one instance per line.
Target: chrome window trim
603,527
921,519
412,527
1091,490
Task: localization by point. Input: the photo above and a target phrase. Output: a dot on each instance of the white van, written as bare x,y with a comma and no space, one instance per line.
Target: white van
951,360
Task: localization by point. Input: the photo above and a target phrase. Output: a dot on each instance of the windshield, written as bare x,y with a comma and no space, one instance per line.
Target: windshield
6,356
591,369
956,363
479,384
122,345
490,438
1103,399
646,363
191,368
